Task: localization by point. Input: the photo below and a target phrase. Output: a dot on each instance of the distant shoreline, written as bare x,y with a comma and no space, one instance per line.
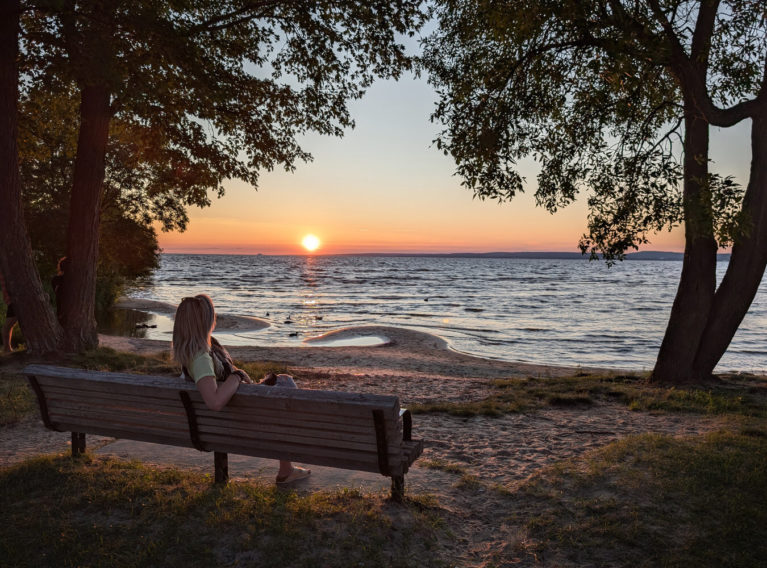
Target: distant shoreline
644,255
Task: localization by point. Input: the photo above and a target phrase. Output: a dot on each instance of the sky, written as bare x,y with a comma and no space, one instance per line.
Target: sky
384,187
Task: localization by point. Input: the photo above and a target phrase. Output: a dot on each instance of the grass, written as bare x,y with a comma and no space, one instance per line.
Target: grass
102,512
653,500
744,395
16,398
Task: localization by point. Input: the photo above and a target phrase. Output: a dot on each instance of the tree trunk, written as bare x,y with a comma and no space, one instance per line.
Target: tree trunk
747,262
79,288
38,322
695,295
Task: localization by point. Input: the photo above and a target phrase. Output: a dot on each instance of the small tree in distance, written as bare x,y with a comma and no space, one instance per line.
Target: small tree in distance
616,98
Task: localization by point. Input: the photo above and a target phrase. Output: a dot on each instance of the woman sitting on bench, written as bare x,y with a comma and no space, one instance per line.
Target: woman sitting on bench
204,361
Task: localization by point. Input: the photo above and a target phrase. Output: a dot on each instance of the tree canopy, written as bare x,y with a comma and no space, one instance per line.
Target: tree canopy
614,100
169,100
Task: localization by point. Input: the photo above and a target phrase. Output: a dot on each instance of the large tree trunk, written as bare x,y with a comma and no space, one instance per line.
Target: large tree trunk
747,262
33,308
695,295
79,288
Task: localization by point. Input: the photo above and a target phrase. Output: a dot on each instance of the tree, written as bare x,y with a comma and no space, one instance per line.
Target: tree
16,261
198,93
128,246
616,98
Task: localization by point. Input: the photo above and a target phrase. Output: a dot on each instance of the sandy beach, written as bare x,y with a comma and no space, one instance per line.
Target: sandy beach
418,368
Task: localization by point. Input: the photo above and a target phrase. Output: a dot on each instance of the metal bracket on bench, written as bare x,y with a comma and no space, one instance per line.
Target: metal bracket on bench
191,418
381,442
43,404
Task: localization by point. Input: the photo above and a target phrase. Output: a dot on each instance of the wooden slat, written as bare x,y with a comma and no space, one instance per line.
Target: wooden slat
127,422
156,436
306,438
217,442
130,381
286,419
298,453
117,409
257,429
111,397
136,418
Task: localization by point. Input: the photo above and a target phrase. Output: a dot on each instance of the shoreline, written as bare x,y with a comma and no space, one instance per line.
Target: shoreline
398,349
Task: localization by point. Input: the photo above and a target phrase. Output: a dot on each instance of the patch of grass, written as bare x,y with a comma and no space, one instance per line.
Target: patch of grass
103,512
441,465
654,500
744,395
16,398
108,359
257,369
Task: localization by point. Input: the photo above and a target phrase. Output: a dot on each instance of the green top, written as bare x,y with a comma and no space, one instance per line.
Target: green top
201,366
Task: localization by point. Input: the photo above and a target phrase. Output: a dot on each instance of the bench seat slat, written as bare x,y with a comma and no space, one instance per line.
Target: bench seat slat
94,379
296,452
336,440
157,436
287,418
107,398
134,420
249,398
117,407
266,414
298,429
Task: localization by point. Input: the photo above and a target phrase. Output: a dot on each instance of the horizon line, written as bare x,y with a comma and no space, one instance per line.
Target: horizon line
572,254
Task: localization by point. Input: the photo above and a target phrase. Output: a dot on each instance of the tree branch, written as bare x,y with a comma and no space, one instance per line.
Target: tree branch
704,29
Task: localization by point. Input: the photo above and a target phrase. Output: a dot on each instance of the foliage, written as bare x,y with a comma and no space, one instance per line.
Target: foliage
591,92
210,91
128,246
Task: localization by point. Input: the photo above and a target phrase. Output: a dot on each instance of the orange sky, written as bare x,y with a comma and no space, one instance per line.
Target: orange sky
385,188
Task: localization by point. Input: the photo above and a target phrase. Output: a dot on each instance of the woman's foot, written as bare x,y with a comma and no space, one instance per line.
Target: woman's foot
296,474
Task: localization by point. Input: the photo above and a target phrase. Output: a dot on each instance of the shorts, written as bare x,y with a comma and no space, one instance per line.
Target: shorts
10,312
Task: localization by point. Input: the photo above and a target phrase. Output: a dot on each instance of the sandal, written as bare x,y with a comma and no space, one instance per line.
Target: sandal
295,475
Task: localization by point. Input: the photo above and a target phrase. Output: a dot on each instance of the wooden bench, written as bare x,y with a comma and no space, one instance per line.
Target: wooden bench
363,432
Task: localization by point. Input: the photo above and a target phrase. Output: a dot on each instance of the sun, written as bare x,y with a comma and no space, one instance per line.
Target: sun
310,243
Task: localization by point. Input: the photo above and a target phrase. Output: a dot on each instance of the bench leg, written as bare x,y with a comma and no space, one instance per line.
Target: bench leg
397,487
221,463
78,443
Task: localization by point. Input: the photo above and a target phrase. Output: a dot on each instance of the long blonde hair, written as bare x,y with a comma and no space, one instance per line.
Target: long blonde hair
195,320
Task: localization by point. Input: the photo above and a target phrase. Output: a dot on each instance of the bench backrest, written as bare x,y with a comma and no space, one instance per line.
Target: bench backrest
338,429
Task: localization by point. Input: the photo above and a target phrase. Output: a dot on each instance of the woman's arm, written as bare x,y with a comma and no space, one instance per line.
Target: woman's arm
216,396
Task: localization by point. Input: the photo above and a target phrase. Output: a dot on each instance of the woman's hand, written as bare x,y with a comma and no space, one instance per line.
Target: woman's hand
243,376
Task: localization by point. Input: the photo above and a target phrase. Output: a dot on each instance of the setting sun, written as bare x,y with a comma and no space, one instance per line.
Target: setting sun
310,243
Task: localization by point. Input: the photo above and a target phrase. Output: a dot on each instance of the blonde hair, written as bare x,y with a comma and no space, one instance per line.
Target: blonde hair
194,321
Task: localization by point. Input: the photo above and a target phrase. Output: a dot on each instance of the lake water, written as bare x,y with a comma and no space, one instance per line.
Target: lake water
563,312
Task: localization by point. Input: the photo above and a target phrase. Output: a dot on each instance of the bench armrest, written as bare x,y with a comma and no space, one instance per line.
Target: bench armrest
407,424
